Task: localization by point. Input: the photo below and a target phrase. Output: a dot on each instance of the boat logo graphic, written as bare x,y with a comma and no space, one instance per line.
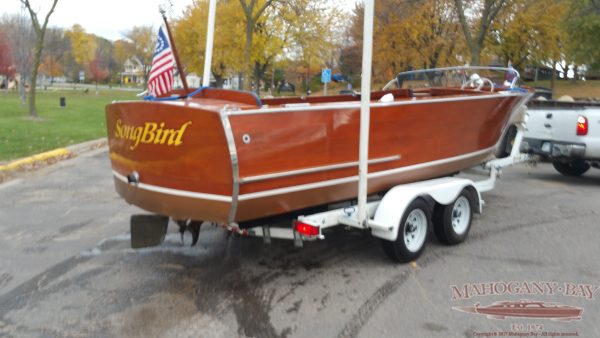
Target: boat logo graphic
525,309
150,133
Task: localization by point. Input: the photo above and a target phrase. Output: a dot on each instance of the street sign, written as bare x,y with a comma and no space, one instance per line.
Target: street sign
81,76
326,75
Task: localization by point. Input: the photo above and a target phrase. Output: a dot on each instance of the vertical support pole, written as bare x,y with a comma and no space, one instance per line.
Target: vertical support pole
365,99
175,54
210,35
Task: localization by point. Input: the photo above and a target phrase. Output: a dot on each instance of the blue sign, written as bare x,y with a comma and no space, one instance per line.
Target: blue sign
326,75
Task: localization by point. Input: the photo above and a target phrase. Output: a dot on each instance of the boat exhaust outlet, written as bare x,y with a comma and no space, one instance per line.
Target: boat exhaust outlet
133,178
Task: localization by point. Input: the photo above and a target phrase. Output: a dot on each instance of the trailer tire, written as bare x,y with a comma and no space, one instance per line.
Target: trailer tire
412,233
571,168
452,222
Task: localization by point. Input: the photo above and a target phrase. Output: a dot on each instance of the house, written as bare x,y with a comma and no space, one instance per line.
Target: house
133,71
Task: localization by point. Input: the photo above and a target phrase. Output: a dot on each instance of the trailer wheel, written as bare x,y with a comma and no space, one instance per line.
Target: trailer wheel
572,168
412,233
452,222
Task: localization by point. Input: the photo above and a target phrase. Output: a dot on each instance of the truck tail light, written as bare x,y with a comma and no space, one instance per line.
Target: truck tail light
582,126
305,229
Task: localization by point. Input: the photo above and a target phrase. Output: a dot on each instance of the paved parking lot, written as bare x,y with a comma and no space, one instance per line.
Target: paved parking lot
66,269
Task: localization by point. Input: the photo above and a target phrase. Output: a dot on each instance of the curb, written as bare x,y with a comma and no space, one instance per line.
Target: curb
54,155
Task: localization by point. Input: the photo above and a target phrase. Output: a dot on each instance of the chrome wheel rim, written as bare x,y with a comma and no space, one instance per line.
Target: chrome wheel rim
461,215
415,230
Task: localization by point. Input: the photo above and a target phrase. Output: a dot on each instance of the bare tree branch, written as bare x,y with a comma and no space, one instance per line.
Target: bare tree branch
40,31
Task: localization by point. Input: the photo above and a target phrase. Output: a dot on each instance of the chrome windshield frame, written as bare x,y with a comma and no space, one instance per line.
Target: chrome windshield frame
456,68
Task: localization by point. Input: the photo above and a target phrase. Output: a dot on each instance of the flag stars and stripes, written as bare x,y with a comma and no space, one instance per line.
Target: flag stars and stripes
160,79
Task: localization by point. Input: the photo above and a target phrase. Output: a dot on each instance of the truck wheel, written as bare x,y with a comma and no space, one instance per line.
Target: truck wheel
572,168
412,233
452,222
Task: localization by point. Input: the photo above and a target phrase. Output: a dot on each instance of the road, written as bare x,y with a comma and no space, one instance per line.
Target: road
66,269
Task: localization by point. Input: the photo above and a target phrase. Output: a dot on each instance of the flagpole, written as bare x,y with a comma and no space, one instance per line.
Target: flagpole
365,112
210,32
175,54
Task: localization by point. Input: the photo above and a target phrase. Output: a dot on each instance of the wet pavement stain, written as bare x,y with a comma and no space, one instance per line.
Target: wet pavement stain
5,278
295,307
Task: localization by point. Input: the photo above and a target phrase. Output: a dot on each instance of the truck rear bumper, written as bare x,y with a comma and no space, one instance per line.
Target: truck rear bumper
553,148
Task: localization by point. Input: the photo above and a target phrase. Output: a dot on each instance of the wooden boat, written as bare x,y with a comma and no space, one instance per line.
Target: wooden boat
526,309
227,156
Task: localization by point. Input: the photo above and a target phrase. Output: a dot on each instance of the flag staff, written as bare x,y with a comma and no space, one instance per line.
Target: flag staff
175,54
365,112
210,32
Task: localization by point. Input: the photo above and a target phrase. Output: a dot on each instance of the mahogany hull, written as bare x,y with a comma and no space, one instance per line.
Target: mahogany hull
212,159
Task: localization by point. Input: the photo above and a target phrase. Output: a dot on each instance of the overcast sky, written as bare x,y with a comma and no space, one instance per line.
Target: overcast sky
106,18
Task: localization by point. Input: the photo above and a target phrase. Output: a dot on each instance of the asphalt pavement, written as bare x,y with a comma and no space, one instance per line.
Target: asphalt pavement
66,269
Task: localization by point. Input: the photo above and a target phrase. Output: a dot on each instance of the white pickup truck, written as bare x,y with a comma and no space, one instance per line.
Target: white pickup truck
565,133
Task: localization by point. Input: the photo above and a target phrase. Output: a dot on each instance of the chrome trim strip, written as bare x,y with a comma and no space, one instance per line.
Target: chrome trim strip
235,170
175,192
377,174
267,193
344,165
356,105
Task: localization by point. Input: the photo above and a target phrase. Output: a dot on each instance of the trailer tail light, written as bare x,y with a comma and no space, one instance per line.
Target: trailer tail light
582,126
305,229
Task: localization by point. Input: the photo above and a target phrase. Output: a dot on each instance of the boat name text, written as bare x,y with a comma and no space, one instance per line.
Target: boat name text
150,133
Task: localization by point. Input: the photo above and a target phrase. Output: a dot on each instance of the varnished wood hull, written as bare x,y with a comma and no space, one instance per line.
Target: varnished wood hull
227,164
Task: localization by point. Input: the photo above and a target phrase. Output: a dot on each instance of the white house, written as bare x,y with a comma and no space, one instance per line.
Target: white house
133,71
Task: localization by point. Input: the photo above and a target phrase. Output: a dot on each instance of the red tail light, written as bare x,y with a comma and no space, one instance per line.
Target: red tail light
306,229
582,126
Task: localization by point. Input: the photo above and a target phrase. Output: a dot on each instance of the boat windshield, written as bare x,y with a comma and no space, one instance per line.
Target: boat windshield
489,78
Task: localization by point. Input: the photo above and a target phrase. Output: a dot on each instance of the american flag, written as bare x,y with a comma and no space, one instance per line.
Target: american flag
160,80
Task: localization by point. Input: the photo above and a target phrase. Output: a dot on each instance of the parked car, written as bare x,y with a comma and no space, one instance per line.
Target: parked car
286,87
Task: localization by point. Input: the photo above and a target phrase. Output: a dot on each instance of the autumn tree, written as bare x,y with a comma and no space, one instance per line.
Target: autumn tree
315,33
190,35
21,38
83,46
40,31
7,67
415,34
253,11
582,25
98,71
121,52
104,56
143,39
527,33
351,51
476,18
55,46
51,66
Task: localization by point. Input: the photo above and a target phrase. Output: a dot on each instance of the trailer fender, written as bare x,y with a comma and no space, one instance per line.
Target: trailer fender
396,200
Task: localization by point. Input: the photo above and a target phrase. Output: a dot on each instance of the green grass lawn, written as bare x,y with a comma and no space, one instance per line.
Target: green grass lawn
81,120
